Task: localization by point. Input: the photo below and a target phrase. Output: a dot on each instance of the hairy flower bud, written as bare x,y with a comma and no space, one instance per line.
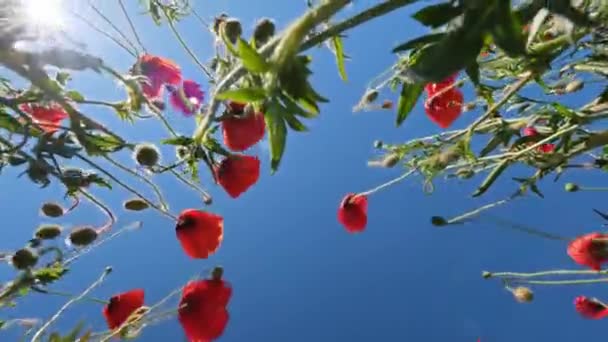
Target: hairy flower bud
146,155
523,294
83,236
390,160
263,31
217,273
571,187
232,29
181,152
52,209
378,144
438,221
24,258
48,231
136,204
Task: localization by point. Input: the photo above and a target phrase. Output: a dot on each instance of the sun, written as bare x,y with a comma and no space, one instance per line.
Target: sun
43,14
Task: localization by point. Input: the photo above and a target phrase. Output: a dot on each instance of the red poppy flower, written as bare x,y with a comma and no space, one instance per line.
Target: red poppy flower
200,233
589,250
352,213
241,131
47,117
432,88
590,308
159,71
189,98
544,148
445,108
121,306
202,309
238,173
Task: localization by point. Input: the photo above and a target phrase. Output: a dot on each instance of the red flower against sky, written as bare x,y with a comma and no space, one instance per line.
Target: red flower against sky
238,173
241,131
352,213
434,87
159,71
200,233
47,117
202,309
121,306
188,98
544,148
589,250
590,308
443,109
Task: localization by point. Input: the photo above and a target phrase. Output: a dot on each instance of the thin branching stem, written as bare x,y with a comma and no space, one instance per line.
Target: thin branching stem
133,30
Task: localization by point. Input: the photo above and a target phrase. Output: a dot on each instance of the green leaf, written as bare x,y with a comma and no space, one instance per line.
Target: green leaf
293,122
244,95
50,274
437,15
178,141
472,71
492,177
277,134
339,52
75,96
10,123
97,144
563,110
62,78
410,92
417,42
295,109
507,31
251,59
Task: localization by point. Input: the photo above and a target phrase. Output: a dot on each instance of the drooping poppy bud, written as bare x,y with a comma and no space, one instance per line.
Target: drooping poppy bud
48,231
24,258
242,131
52,209
82,236
188,98
200,233
202,309
217,273
352,213
589,250
445,108
237,173
136,204
159,71
263,31
121,306
523,294
438,221
590,308
146,155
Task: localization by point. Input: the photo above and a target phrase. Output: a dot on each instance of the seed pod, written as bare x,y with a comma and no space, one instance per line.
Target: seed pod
48,231
264,30
52,209
574,86
24,258
232,29
83,236
146,155
571,187
217,273
390,160
523,294
136,204
438,221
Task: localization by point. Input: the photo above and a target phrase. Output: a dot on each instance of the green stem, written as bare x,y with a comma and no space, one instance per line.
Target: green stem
80,252
542,274
102,207
69,295
206,196
463,217
592,188
109,22
105,34
133,30
565,282
387,184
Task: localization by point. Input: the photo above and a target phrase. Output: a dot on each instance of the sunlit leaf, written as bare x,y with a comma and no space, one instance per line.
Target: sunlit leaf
75,96
244,95
250,58
410,92
178,141
336,41
277,134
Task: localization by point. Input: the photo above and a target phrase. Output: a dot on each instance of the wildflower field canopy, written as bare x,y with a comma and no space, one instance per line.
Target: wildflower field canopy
192,97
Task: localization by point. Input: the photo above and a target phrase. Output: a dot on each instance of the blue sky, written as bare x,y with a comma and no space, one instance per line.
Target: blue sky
297,275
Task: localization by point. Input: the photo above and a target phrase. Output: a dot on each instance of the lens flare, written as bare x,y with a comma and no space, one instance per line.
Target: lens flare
43,14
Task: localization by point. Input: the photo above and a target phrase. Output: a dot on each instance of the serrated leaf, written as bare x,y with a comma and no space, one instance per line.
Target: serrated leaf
417,42
410,92
277,134
250,58
244,95
437,15
178,141
340,57
75,96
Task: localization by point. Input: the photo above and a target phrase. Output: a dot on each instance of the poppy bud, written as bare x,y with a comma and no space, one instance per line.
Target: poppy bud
181,152
571,187
159,104
378,144
486,275
83,236
264,30
146,155
232,29
438,221
370,96
52,209
74,178
573,86
523,294
48,231
24,258
136,204
390,160
217,273
217,22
